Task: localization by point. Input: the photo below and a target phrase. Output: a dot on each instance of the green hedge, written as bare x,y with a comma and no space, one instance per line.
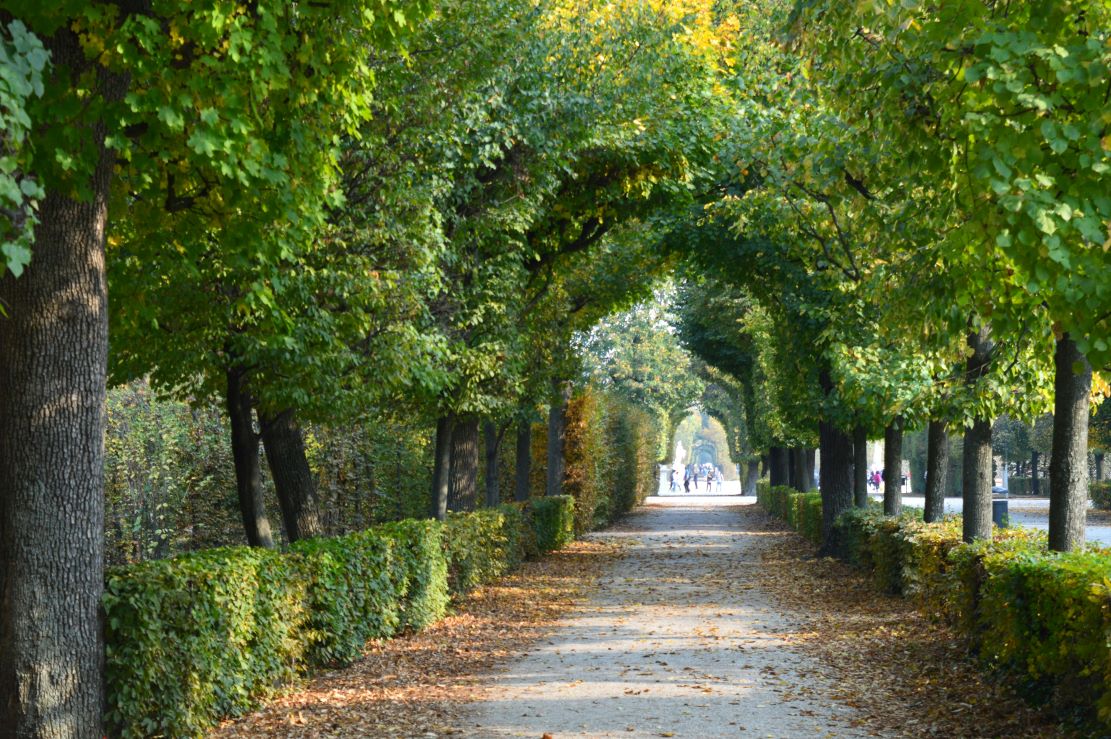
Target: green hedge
1041,619
1100,493
484,545
553,521
193,639
802,511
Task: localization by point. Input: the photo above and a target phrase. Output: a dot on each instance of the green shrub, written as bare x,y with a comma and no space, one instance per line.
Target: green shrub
852,532
423,570
198,637
810,516
195,638
356,585
553,521
1045,619
192,639
482,546
1100,493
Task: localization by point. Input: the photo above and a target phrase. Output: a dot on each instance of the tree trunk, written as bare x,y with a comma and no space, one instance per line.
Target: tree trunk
836,477
976,481
53,360
860,467
441,467
557,435
753,474
491,441
798,469
937,466
1068,465
1035,483
1099,466
780,469
464,465
244,451
809,456
893,467
976,476
294,482
523,466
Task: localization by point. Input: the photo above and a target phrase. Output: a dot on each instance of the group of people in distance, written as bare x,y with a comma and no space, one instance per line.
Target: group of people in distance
693,473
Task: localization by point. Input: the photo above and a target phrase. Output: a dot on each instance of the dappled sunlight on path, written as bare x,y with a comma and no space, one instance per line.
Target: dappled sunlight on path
678,640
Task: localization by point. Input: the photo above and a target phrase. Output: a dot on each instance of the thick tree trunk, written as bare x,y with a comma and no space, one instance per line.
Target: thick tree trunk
294,482
893,467
751,476
860,467
798,470
937,467
523,467
464,465
1035,482
836,477
780,469
491,440
1068,465
441,467
244,452
557,436
976,481
53,359
976,475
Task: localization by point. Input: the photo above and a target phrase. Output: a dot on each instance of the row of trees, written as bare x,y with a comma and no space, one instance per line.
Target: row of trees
886,215
913,233
309,212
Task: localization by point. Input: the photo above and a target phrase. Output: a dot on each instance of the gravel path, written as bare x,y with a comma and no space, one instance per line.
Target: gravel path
678,641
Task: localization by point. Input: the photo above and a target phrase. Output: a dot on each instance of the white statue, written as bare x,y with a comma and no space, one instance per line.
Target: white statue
680,455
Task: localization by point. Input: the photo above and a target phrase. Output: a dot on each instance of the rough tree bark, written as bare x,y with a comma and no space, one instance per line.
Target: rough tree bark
893,467
860,467
523,467
441,467
294,482
751,476
798,469
53,361
244,452
464,465
1068,465
491,441
836,478
976,480
976,474
557,436
780,469
937,467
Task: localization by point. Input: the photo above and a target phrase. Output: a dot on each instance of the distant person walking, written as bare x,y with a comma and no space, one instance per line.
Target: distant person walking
686,480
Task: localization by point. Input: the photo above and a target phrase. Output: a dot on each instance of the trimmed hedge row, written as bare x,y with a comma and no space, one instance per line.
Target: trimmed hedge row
1041,619
192,639
802,511
1100,493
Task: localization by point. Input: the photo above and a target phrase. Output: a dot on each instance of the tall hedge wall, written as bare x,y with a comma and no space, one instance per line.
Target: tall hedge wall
611,454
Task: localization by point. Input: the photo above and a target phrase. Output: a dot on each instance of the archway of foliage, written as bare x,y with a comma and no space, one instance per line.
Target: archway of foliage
427,257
